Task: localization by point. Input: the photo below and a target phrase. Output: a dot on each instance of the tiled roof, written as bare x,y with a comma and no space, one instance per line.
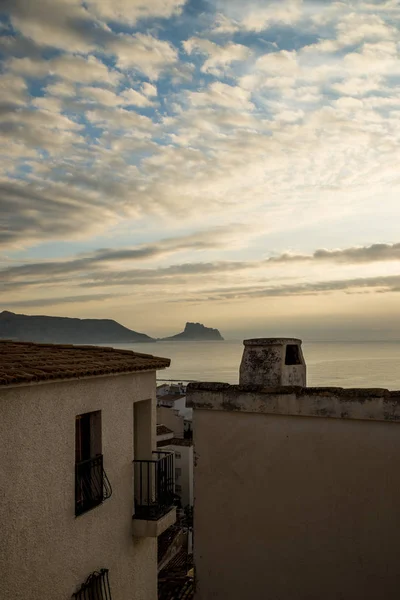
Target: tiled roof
165,540
173,581
26,362
176,442
163,430
181,563
180,588
170,397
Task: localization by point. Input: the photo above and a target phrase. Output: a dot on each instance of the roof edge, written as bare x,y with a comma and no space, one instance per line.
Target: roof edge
370,404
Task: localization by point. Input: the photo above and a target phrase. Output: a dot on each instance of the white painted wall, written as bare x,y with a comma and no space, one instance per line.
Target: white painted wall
46,552
184,462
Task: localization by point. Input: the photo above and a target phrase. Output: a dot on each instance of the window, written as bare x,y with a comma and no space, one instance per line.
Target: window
177,455
178,488
87,436
91,482
292,355
178,472
96,587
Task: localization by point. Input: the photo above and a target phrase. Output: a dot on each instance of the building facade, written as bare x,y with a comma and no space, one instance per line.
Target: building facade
296,489
183,458
73,506
171,419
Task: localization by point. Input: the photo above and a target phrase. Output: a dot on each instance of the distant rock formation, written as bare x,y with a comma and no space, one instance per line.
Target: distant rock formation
194,332
64,330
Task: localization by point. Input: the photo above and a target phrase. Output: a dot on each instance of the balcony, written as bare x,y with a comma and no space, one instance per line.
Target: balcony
97,586
154,495
92,486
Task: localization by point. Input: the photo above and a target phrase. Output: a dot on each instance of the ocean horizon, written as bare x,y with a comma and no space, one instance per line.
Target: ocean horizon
340,364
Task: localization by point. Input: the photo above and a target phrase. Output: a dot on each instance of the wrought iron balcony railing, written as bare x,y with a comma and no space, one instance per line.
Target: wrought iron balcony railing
96,587
154,486
92,486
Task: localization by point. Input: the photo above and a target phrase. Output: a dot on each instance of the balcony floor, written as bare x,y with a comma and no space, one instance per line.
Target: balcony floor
146,527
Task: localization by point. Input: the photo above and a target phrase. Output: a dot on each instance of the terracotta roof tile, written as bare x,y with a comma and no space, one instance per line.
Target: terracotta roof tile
176,442
181,563
165,540
163,430
26,362
170,397
180,588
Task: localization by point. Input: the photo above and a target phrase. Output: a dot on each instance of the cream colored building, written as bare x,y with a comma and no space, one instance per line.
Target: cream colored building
183,455
171,419
72,501
297,490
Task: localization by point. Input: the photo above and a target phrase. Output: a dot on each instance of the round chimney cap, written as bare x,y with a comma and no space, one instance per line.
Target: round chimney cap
271,341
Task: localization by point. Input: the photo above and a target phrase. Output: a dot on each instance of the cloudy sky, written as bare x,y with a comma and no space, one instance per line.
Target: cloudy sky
229,162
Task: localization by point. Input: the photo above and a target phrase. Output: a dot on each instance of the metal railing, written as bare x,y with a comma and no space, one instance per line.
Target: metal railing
91,484
96,587
154,486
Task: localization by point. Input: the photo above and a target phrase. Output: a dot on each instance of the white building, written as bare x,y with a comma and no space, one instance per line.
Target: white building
167,389
183,452
76,515
173,396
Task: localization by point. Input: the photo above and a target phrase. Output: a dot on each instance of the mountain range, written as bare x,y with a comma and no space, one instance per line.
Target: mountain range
66,330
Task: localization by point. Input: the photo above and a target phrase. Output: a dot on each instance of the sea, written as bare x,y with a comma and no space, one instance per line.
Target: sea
342,364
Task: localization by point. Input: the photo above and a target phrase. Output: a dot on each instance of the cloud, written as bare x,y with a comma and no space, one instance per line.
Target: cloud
201,240
260,16
353,29
69,67
54,301
149,89
41,126
13,90
118,117
104,97
64,24
28,212
366,254
388,284
132,97
61,88
144,53
223,25
131,11
76,26
103,268
219,57
222,94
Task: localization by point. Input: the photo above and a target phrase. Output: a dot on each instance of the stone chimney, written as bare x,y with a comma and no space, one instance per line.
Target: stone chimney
272,362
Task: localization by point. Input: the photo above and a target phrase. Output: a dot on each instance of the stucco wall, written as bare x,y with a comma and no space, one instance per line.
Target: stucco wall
45,551
295,507
170,418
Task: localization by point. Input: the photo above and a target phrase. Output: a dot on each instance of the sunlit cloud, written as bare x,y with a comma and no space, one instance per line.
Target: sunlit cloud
134,134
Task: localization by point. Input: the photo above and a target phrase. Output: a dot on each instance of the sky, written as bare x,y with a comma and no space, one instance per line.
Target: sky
234,163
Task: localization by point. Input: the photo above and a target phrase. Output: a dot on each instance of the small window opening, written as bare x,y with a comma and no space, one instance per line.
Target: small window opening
292,355
87,436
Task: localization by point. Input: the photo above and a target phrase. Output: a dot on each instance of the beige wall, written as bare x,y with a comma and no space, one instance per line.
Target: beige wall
295,508
170,418
45,551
